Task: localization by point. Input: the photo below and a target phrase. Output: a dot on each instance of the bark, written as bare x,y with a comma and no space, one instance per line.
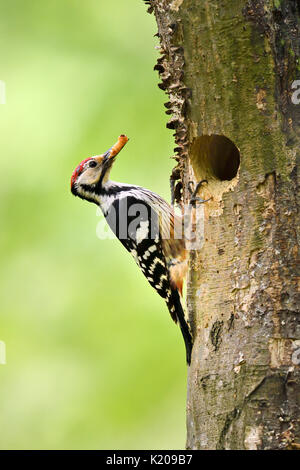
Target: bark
228,68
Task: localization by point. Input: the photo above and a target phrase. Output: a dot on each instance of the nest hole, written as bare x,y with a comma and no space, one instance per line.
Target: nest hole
215,157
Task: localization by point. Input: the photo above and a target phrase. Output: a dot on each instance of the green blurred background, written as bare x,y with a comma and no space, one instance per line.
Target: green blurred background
93,358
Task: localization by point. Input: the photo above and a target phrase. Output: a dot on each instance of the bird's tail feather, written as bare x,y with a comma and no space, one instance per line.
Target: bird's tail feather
175,299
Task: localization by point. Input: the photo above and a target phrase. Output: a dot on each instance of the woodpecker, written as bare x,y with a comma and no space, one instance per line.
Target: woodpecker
145,224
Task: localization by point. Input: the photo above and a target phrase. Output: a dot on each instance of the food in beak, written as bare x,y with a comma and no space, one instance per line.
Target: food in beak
115,149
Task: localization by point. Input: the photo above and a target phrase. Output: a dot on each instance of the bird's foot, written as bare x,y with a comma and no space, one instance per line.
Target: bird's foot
193,193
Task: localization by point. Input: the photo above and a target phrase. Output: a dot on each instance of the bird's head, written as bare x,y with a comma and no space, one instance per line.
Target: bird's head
89,176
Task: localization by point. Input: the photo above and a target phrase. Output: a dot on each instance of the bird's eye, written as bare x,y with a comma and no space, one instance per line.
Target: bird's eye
92,164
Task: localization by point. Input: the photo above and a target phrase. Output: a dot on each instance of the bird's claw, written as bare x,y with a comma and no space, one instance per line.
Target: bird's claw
194,192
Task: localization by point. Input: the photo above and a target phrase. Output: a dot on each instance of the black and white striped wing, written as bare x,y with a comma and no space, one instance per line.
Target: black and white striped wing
137,225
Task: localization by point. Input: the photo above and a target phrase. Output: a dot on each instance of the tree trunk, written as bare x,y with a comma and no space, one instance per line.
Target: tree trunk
229,68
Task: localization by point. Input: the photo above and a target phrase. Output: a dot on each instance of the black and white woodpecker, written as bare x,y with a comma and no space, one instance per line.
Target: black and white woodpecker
145,224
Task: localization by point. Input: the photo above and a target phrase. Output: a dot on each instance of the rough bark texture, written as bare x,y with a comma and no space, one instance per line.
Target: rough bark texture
228,68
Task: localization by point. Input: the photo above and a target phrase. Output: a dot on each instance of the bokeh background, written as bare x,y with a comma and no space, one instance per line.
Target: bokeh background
93,358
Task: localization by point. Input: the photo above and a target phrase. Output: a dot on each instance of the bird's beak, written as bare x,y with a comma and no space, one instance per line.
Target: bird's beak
113,151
